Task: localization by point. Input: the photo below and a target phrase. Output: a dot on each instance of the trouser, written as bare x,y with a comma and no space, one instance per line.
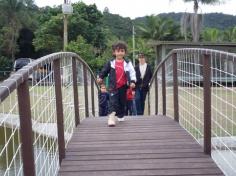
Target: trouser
140,96
118,101
103,111
131,107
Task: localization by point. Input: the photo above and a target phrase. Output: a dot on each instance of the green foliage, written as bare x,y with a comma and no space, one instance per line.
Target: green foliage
14,15
119,26
50,35
85,21
141,46
223,21
230,34
5,64
7,45
205,1
46,13
91,33
212,35
85,51
158,28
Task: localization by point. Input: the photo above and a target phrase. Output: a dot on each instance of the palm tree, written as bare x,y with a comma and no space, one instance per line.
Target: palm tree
157,28
212,35
229,35
194,21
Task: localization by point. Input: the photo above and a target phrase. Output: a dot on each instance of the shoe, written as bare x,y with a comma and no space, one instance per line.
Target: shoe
121,119
111,120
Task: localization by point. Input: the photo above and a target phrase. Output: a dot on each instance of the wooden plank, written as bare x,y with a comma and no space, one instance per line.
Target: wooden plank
138,146
137,156
177,172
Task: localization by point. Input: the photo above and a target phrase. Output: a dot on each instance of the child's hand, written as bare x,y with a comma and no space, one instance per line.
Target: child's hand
132,85
99,80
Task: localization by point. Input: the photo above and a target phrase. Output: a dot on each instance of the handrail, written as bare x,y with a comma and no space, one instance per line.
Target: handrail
196,87
52,94
10,84
203,51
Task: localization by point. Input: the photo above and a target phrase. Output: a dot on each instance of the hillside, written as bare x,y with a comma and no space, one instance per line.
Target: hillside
122,27
211,20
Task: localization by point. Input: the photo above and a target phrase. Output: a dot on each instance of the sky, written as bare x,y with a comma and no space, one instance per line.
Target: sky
140,8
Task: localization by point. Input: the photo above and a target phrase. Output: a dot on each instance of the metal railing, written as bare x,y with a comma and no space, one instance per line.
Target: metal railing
40,105
197,88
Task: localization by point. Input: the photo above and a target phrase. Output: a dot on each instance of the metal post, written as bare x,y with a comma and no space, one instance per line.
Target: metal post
65,29
149,106
92,96
75,89
86,91
156,94
175,87
26,129
207,103
164,88
59,108
133,46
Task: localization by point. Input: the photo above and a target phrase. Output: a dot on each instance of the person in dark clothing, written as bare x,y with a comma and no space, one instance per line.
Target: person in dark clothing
143,75
103,101
121,74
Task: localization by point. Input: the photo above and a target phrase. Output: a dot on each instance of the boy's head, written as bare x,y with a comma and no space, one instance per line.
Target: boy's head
119,49
103,88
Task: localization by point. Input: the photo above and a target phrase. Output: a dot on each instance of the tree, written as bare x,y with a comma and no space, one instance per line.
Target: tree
158,28
14,15
141,46
83,49
85,21
229,35
194,21
49,36
212,35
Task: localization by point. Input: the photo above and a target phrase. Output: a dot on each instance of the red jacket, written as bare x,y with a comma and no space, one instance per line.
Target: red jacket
129,94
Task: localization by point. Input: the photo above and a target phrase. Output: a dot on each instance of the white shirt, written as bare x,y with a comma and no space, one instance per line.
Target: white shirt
142,69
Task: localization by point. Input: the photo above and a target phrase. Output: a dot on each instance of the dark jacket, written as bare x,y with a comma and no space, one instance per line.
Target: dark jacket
103,99
109,68
143,83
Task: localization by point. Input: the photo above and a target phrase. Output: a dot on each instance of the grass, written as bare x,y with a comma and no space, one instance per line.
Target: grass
43,102
191,109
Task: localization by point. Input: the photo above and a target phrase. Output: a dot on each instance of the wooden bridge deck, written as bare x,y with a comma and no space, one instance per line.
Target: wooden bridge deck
137,146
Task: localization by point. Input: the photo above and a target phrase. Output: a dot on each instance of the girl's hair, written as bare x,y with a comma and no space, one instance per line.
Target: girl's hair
102,85
119,45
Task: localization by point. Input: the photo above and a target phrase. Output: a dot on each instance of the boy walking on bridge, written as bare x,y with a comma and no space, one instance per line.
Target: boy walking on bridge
121,75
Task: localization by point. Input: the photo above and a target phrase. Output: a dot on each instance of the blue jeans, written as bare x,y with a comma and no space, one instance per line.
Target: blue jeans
140,96
131,107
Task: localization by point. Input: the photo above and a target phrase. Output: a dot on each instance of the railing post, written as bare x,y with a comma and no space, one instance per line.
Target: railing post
26,129
59,109
86,91
75,89
175,87
149,106
163,88
92,96
207,103
156,95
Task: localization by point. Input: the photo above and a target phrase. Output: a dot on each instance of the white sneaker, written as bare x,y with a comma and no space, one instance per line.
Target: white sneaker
121,119
111,119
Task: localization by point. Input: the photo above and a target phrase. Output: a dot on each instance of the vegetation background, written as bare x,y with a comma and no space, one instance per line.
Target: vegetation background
29,31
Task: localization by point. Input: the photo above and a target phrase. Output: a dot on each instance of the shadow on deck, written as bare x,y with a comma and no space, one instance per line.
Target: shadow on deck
138,146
